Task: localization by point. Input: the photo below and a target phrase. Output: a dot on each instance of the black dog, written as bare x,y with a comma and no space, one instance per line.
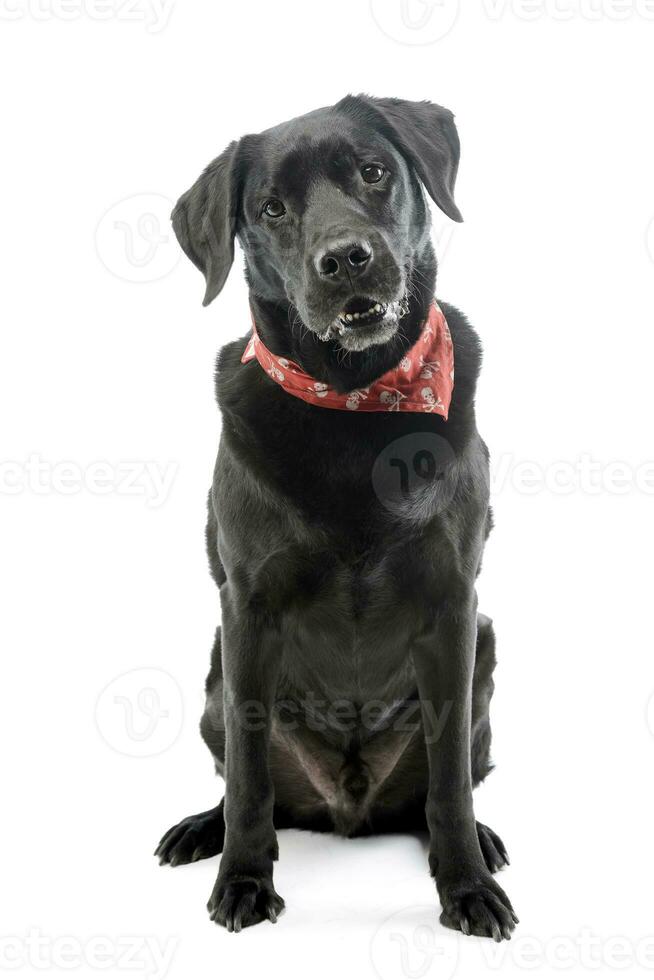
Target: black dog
350,682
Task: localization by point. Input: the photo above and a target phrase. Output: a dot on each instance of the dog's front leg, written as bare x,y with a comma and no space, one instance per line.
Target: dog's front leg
244,892
444,661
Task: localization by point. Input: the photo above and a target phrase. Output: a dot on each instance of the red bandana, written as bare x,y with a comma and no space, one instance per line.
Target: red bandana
422,381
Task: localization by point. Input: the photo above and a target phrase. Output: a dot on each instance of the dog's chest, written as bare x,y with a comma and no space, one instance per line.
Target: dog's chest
352,638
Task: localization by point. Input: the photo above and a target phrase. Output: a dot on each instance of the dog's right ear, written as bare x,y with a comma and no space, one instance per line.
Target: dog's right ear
204,220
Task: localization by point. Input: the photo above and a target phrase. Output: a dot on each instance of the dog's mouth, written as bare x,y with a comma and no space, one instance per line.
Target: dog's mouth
366,311
365,320
362,310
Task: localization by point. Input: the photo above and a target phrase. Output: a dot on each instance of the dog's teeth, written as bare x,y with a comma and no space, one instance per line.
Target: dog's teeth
377,308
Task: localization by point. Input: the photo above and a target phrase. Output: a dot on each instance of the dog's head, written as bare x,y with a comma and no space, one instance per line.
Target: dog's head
330,213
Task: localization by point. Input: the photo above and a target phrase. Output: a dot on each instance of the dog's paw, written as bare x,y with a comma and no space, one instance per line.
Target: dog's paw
492,848
240,901
477,906
199,836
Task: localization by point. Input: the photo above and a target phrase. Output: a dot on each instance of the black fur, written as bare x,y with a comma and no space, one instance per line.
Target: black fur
351,678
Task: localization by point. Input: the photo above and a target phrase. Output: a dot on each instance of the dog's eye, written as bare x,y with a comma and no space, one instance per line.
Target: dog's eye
274,208
372,173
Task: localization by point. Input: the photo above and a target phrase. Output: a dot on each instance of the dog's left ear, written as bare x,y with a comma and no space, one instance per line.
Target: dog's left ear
424,133
204,220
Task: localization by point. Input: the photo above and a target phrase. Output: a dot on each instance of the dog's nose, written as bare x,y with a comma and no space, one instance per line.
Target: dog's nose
343,259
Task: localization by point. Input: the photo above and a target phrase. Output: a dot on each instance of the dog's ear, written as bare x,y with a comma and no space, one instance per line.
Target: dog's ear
204,220
426,136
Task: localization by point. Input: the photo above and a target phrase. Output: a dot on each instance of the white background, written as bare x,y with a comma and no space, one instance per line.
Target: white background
108,358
